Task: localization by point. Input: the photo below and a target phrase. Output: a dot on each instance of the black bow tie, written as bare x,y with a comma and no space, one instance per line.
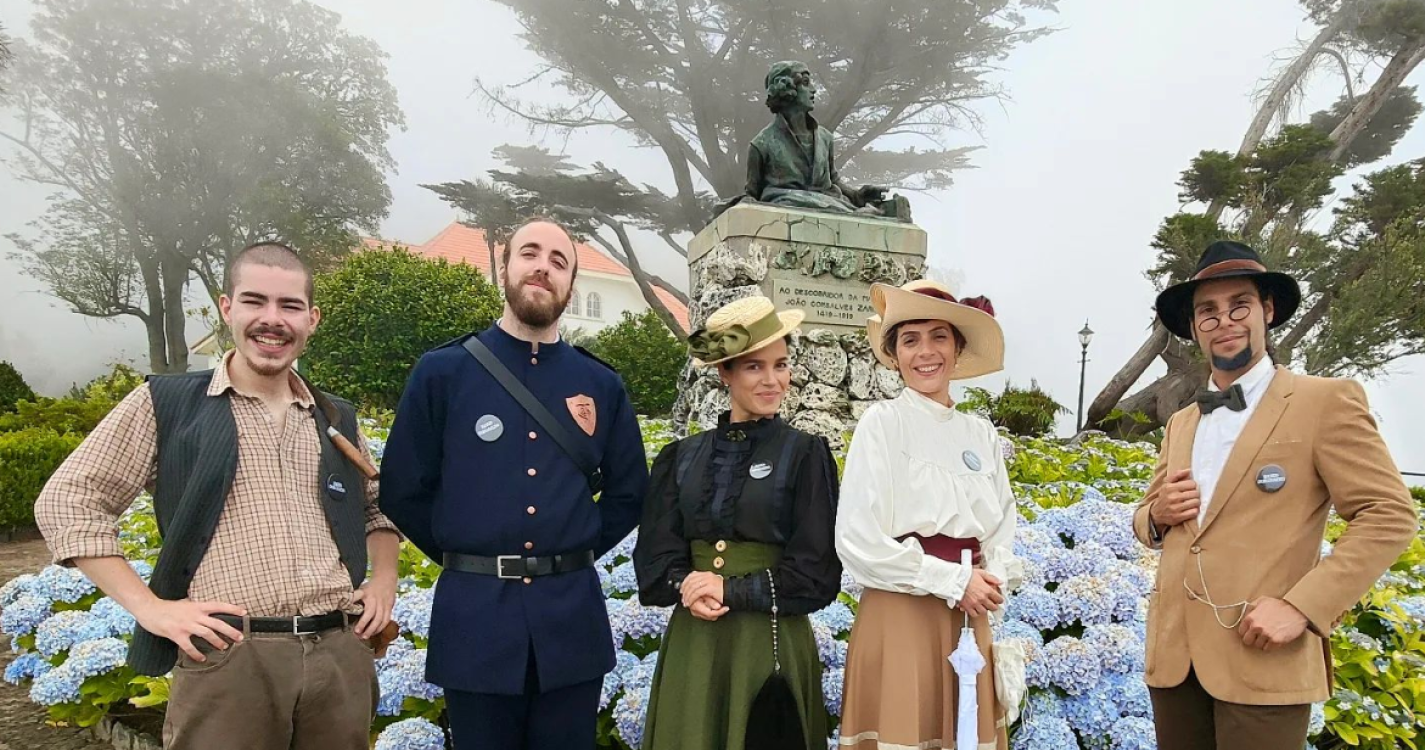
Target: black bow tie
1233,398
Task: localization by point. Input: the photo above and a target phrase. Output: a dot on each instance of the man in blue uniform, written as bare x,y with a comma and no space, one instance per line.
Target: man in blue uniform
519,635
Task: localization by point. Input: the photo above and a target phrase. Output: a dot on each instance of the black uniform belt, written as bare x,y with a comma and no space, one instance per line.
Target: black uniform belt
518,566
292,625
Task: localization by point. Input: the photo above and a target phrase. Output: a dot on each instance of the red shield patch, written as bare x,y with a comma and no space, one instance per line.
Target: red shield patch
581,407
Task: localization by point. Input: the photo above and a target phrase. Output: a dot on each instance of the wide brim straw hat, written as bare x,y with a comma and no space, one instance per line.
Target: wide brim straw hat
741,327
924,299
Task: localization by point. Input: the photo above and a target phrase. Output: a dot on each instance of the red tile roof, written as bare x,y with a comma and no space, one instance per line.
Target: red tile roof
459,243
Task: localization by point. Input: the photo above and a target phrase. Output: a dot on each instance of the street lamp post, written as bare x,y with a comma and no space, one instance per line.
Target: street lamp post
1085,336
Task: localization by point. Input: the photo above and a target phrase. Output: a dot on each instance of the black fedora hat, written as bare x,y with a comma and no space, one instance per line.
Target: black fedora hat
1222,260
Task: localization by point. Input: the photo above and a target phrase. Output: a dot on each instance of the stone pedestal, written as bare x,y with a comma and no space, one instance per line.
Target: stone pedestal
820,263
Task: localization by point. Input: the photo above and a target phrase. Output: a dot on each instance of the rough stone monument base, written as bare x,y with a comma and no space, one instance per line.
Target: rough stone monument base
823,264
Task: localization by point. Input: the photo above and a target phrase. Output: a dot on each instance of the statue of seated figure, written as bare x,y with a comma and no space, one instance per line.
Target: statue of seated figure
792,161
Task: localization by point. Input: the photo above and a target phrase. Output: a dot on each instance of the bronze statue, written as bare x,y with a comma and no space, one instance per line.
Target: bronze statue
792,162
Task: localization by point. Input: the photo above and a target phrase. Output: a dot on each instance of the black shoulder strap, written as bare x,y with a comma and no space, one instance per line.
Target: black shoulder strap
530,404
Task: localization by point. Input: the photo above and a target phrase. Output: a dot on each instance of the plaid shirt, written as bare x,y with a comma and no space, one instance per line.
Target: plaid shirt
272,552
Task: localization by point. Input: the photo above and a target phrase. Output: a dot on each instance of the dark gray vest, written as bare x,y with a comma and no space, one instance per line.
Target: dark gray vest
197,462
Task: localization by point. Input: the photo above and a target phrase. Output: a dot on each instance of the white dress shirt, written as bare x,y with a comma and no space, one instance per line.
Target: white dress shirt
916,466
1217,432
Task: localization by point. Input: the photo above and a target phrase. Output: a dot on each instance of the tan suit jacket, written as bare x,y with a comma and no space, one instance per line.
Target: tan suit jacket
1254,543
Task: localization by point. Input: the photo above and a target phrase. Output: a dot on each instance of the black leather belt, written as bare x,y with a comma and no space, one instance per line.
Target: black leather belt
290,625
515,567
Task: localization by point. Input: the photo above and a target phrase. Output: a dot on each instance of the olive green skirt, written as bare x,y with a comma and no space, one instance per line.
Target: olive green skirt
709,672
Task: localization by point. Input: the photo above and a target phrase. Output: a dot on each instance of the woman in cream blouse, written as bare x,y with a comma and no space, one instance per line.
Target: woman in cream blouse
923,483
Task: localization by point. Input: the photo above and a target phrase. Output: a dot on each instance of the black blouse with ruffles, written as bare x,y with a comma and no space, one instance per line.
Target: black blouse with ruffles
759,481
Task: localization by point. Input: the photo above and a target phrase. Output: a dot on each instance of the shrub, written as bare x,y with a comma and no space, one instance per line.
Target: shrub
382,310
1026,412
56,414
13,387
27,459
647,356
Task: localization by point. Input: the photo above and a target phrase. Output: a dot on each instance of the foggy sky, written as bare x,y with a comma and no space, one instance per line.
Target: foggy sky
1079,167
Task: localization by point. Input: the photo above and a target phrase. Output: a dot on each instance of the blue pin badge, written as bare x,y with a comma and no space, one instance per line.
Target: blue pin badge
1271,478
489,428
972,461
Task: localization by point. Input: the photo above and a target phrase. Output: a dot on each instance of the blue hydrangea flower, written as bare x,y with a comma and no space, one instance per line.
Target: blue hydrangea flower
1118,646
1016,629
629,713
613,683
412,611
1317,723
142,568
1073,665
621,580
1133,733
833,681
26,666
837,617
636,621
1042,731
411,734
22,616
118,619
831,650
622,549
61,584
1035,606
1088,599
1129,694
401,675
67,629
17,587
1043,702
88,659
1092,712
851,587
1062,564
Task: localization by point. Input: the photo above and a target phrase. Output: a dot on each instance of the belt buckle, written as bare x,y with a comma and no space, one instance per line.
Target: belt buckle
296,630
500,567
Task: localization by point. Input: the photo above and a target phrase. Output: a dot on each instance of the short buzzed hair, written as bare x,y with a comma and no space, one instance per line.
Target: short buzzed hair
573,262
269,253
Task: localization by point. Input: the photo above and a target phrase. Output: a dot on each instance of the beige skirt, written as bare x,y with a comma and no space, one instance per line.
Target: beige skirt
901,693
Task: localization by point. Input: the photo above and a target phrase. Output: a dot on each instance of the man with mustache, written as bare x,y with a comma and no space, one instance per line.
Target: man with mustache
1239,624
519,634
257,602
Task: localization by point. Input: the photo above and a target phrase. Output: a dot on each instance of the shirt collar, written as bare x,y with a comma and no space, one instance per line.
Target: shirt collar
1254,380
934,409
222,383
501,337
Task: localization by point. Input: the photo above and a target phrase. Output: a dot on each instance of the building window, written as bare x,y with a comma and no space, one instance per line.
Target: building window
595,306
573,307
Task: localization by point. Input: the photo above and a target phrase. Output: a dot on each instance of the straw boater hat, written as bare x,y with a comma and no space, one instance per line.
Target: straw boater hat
1226,259
741,327
927,300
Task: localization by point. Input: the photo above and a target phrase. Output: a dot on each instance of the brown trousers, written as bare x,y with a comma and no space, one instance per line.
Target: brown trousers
1188,718
274,691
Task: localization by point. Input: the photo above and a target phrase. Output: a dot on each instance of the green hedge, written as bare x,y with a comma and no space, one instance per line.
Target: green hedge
56,414
27,459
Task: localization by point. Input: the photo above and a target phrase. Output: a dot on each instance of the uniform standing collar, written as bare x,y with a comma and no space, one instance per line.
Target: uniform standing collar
502,338
935,409
222,382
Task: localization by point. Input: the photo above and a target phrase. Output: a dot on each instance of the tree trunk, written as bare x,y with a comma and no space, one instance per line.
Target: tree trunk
643,279
175,277
494,272
1119,384
1395,72
1157,402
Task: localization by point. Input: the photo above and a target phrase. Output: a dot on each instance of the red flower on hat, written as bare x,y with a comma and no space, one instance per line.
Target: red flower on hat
979,303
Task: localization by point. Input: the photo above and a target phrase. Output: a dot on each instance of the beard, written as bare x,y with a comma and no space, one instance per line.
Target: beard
263,365
1235,362
531,313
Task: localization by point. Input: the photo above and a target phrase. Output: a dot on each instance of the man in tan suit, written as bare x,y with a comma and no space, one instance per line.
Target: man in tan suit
1239,622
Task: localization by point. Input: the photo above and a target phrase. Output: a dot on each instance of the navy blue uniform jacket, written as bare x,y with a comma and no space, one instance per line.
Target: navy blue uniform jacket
449,490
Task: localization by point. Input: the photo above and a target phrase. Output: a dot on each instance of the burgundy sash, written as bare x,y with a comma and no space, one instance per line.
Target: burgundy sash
947,548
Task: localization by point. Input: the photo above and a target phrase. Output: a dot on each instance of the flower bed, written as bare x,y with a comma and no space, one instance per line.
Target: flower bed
1080,617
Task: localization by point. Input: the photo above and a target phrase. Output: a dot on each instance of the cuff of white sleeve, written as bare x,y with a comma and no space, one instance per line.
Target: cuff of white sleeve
1007,568
946,580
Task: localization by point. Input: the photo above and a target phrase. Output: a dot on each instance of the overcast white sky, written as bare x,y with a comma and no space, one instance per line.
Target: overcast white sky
1077,171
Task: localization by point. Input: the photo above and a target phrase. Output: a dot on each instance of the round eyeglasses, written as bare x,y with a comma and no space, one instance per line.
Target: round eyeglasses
1206,323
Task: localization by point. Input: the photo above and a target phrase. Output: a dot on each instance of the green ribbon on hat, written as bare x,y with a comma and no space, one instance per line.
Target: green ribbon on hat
709,346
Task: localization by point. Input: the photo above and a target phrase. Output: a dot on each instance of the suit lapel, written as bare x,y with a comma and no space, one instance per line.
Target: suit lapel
1183,446
1254,435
